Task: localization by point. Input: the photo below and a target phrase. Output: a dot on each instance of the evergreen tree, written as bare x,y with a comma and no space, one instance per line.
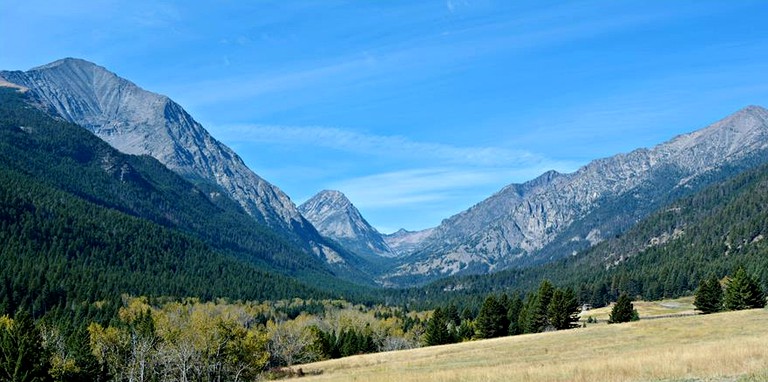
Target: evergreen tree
492,319
709,296
452,316
623,311
563,311
465,331
513,315
537,310
22,356
437,332
743,292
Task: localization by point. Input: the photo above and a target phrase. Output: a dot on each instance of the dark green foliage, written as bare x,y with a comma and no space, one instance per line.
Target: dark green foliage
465,331
492,320
513,315
347,343
452,315
709,296
439,329
743,292
22,356
81,223
708,233
87,366
623,311
536,312
563,311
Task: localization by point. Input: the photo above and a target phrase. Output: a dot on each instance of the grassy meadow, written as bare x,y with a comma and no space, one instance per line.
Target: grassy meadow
729,346
647,309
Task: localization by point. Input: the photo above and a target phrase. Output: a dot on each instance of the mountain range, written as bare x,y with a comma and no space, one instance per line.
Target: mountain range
552,217
82,222
556,215
139,122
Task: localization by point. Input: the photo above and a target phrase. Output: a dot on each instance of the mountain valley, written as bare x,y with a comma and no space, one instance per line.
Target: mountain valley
528,225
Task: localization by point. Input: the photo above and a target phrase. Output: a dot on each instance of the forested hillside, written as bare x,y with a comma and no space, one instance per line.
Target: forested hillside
665,255
80,222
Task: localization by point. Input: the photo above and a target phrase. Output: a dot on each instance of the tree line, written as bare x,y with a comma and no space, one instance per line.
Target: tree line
742,291
548,308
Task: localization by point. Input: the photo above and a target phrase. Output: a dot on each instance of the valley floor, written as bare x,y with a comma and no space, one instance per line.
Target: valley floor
720,347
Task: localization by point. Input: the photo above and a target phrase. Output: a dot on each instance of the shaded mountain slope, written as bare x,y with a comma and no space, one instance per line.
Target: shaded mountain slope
139,122
76,211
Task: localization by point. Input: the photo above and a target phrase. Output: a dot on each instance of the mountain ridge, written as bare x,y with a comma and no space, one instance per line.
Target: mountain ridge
508,228
334,216
126,224
139,122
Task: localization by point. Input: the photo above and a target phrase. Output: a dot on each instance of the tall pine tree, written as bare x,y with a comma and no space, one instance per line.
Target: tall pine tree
563,311
492,320
709,296
743,292
22,356
437,332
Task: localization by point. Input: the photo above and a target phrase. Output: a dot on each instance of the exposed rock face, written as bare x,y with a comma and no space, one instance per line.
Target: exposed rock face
139,122
512,226
337,218
404,242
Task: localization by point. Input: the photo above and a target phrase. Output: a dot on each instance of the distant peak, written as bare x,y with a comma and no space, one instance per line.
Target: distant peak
331,194
69,61
752,109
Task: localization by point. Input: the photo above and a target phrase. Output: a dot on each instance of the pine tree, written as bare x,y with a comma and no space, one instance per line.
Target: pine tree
743,292
709,296
537,307
452,315
563,311
492,320
22,356
437,330
513,314
623,311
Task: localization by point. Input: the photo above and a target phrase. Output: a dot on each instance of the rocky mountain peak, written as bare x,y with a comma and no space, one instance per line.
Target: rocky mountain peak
139,122
513,226
332,198
336,217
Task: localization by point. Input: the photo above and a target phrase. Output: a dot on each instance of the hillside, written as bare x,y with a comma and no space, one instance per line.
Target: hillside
557,215
721,346
136,121
665,255
80,221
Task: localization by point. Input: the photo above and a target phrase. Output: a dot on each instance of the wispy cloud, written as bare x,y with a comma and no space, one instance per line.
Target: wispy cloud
419,174
435,186
377,145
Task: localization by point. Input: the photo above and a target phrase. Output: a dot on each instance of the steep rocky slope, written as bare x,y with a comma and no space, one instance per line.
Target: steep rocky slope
515,226
404,242
337,218
136,121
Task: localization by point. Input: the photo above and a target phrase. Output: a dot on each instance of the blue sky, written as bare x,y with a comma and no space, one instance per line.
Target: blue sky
417,109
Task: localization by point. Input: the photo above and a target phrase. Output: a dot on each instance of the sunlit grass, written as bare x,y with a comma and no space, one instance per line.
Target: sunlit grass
683,305
725,346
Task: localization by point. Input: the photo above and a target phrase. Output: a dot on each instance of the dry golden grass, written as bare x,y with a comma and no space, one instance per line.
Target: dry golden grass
683,305
720,347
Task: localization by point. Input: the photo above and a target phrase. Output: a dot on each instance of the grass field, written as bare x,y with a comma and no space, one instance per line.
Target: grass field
646,309
720,347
